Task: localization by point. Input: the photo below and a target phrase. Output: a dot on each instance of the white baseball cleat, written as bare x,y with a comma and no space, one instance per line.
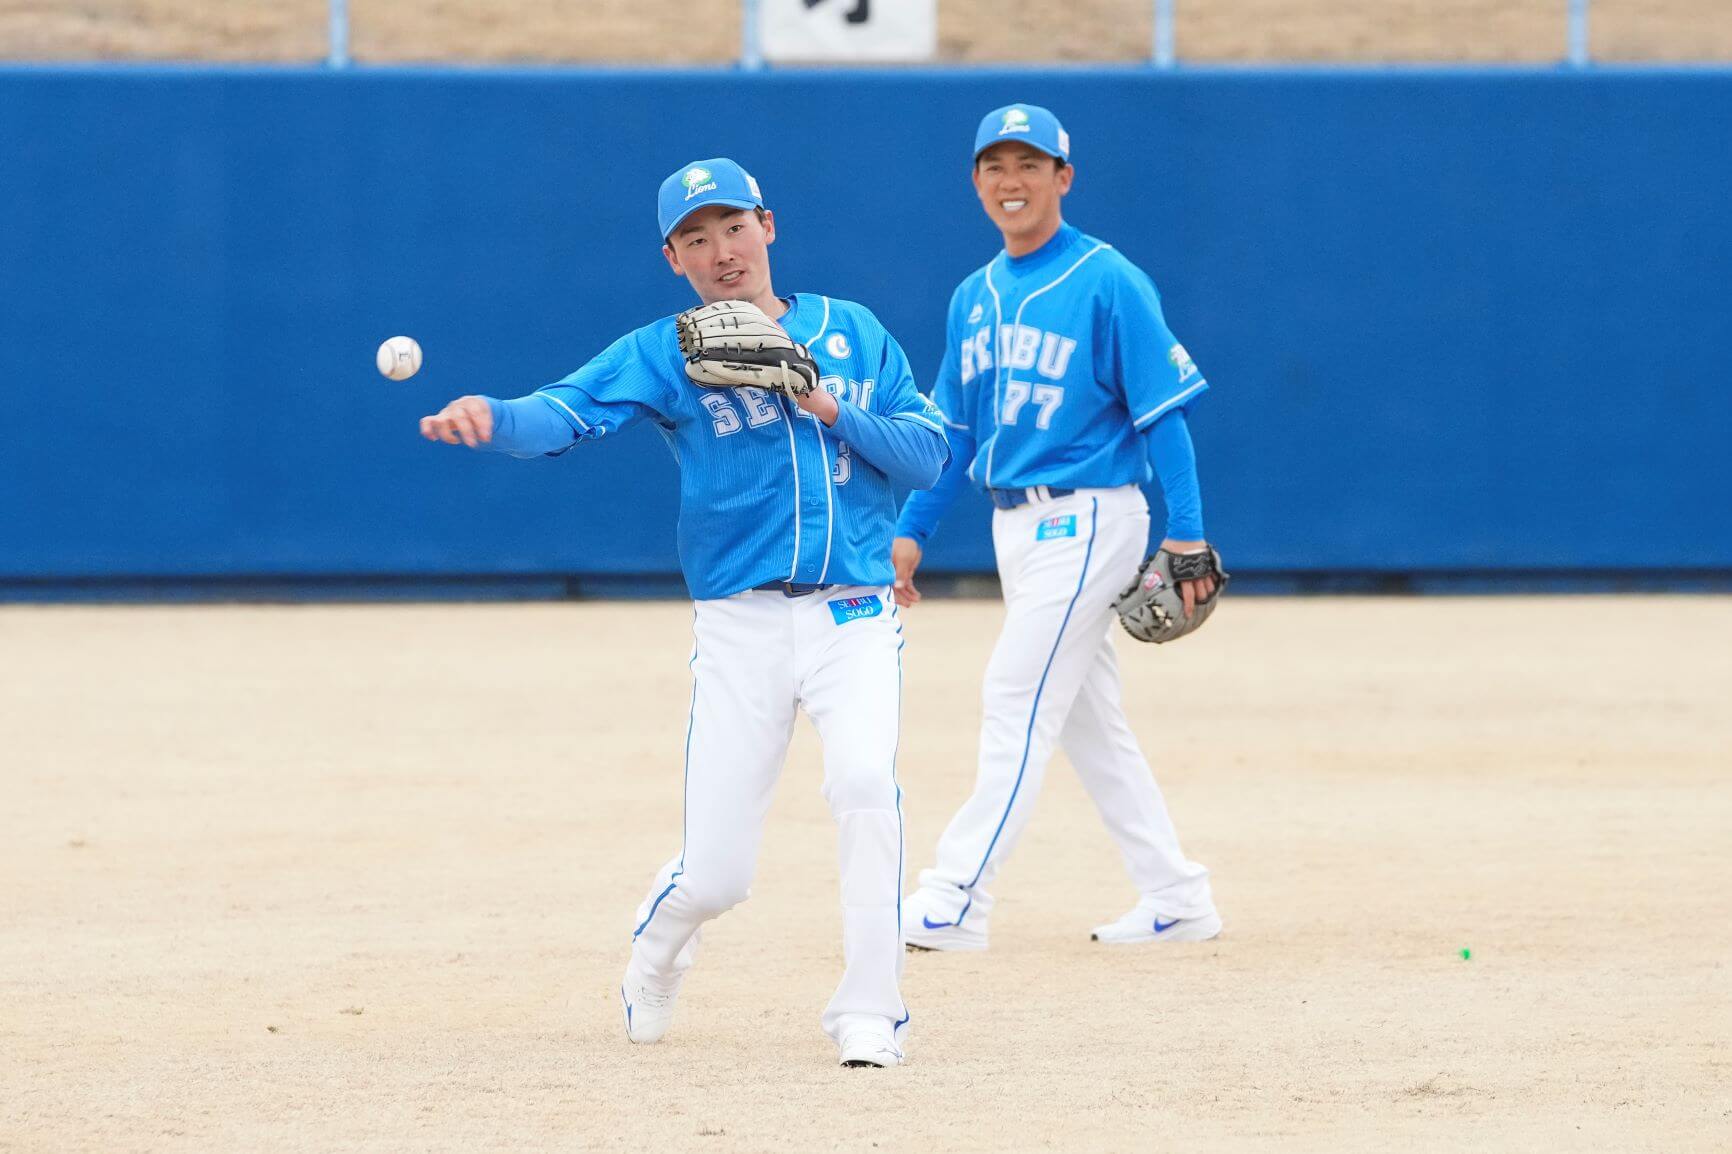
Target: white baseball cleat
870,1048
648,1011
1144,924
947,937
925,929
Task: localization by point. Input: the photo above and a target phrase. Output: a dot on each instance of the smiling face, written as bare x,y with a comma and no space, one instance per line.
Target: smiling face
724,253
1021,187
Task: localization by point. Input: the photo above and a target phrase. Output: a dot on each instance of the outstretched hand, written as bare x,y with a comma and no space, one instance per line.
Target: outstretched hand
467,420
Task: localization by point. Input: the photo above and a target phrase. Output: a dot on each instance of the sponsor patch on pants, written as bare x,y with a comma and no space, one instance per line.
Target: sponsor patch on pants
853,608
1056,527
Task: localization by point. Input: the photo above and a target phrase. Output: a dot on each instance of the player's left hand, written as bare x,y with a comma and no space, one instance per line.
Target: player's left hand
1172,594
733,344
1195,592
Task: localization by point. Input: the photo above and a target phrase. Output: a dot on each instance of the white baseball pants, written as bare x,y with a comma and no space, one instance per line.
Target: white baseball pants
758,657
1054,680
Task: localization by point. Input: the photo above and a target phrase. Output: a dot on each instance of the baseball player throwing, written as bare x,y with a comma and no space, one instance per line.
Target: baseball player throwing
791,419
1061,384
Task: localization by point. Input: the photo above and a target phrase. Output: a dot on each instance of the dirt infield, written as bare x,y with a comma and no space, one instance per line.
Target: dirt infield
969,31
361,878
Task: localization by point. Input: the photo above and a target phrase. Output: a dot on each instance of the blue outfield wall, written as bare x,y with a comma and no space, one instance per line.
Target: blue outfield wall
1454,320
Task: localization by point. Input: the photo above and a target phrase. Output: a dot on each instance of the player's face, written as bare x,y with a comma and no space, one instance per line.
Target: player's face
724,253
1021,187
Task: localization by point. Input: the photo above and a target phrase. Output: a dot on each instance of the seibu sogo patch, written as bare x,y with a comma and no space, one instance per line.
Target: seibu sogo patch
848,609
1056,527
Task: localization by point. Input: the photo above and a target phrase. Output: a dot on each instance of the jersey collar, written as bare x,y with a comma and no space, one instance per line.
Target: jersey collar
792,300
805,324
1046,254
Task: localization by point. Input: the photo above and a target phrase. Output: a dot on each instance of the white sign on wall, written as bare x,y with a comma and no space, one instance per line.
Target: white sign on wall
861,30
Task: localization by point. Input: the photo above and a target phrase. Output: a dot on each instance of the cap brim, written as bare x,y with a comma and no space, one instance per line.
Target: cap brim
726,201
1034,144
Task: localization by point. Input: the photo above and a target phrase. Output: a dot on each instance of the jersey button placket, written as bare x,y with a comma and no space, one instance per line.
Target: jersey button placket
804,567
809,498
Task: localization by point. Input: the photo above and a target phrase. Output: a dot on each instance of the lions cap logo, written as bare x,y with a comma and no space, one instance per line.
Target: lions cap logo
698,179
1015,120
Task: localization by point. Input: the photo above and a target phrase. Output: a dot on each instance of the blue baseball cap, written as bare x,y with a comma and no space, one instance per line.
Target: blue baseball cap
1028,123
701,184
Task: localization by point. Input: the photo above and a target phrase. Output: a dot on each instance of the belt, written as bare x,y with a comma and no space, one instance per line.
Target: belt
794,588
1011,498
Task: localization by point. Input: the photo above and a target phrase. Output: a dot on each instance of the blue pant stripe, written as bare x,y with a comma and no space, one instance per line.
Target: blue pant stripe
1034,710
657,904
901,837
686,785
901,843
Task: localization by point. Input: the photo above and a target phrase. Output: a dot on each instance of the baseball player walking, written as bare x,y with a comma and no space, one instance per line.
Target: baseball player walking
788,451
1060,385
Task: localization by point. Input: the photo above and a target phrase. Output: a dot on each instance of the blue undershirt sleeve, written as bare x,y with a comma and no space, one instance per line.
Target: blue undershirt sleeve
528,427
911,454
1174,458
925,508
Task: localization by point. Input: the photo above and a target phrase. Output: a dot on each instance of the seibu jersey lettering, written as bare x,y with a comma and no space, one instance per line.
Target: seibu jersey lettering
1020,347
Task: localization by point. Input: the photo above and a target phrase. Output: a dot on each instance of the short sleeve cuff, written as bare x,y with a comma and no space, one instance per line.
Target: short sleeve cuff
1144,420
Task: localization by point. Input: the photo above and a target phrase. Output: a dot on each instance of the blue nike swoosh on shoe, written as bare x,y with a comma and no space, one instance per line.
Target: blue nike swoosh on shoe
932,925
1160,929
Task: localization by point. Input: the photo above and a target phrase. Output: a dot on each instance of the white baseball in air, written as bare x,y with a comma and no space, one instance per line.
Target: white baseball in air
399,358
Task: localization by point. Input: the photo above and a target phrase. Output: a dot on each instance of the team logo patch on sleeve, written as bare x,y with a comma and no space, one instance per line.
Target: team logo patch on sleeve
1181,360
848,609
1054,527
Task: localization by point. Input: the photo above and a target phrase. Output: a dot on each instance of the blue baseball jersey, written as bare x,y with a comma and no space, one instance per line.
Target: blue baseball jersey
1056,361
767,493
